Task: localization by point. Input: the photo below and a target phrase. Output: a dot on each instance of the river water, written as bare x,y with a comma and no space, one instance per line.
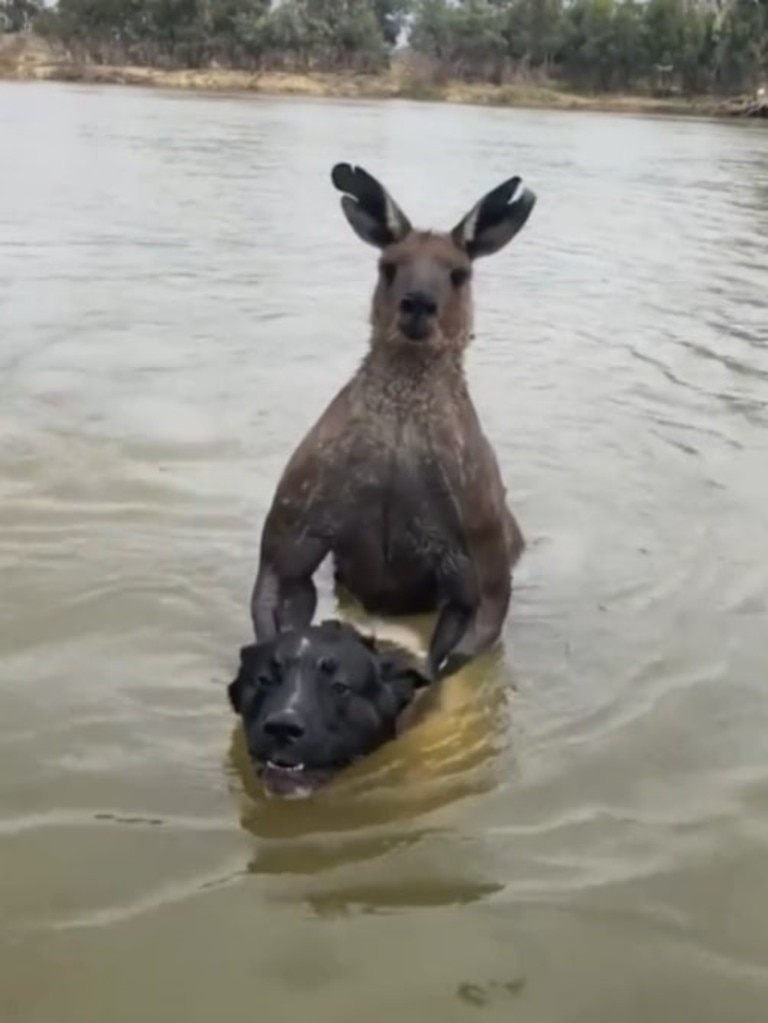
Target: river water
580,833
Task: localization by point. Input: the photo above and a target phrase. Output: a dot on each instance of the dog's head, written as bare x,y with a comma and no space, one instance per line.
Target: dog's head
313,701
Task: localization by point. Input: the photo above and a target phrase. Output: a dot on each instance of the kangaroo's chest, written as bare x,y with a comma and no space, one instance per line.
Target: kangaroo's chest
400,494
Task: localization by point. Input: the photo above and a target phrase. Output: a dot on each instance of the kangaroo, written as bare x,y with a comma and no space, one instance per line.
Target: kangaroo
396,480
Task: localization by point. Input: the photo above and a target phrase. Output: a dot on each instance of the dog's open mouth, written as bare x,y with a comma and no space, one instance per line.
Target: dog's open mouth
295,782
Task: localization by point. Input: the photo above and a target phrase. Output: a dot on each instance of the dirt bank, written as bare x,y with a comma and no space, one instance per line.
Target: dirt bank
28,58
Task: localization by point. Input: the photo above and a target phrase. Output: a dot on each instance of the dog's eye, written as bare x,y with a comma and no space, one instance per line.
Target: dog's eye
327,665
459,276
265,680
341,688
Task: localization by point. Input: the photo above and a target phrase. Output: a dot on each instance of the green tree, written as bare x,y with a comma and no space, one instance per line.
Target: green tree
18,15
743,50
630,52
391,17
433,29
532,31
589,43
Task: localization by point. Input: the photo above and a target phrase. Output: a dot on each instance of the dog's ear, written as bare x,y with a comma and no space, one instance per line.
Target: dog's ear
249,656
401,679
369,642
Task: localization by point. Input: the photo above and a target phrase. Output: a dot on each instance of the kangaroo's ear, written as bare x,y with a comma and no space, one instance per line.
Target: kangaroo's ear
372,213
494,221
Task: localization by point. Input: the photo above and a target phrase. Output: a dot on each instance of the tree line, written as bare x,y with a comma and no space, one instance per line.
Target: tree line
694,46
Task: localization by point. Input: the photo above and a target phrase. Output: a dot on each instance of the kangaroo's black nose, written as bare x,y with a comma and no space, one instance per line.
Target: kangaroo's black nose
418,303
284,726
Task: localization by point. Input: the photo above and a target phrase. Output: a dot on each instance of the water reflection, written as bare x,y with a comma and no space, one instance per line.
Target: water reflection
380,896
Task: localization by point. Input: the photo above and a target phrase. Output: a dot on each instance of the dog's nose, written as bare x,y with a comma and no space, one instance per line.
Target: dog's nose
284,726
418,303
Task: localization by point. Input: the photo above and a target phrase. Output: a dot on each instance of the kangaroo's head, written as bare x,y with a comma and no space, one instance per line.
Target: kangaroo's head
423,295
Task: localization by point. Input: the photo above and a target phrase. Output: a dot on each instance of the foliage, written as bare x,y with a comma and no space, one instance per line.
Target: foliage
689,46
18,15
657,45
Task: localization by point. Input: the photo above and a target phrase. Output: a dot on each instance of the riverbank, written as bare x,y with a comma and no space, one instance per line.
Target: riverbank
34,60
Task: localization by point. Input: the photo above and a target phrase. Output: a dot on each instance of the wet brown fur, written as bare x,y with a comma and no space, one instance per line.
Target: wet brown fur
397,479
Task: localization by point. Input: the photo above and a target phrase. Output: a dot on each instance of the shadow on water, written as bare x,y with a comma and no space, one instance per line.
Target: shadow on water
449,755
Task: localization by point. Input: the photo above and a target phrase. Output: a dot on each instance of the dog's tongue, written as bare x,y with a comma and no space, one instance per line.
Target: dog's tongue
291,783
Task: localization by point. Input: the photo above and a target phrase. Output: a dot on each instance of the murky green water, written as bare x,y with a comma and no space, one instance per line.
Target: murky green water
580,835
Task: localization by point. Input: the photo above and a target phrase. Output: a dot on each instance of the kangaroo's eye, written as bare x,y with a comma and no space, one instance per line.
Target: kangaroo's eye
459,276
388,271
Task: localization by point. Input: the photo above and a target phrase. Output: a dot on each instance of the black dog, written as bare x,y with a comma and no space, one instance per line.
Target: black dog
314,700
